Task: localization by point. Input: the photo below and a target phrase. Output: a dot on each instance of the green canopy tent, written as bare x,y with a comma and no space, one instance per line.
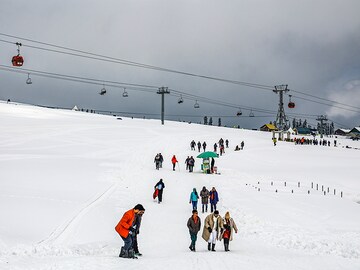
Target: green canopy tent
205,166
208,154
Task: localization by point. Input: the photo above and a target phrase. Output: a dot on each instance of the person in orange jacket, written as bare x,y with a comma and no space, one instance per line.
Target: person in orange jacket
126,228
174,161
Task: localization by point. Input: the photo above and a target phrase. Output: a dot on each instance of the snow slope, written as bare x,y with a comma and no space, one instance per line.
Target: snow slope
67,177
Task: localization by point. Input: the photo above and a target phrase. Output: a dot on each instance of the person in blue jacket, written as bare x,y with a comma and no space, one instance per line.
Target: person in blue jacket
214,198
194,198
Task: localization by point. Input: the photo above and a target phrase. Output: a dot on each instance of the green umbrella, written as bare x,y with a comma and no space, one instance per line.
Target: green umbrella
208,154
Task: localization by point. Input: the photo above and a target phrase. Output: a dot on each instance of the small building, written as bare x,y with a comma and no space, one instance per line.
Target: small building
342,131
268,127
355,130
303,131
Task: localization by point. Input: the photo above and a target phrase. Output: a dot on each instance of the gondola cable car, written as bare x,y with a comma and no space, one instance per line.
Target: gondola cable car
291,104
17,60
103,90
28,81
125,94
251,114
196,105
239,112
180,100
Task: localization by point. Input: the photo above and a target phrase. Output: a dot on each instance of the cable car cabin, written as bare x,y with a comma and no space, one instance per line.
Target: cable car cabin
102,92
291,105
17,61
239,113
180,100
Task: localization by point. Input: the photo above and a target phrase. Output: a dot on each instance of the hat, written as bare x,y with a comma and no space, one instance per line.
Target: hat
139,207
216,212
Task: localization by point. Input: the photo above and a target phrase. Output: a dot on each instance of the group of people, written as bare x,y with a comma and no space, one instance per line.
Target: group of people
159,159
193,144
190,163
220,144
128,228
308,141
237,148
215,228
206,196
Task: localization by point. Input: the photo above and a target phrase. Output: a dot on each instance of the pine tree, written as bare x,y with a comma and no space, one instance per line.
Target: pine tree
219,122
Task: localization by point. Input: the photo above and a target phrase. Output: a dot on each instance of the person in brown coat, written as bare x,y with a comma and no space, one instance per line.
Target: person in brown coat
194,225
230,227
213,228
204,194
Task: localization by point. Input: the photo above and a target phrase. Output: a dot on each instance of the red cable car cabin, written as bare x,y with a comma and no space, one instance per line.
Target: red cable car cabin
17,61
291,105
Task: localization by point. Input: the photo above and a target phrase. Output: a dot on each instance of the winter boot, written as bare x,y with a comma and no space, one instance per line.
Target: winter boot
213,247
209,246
131,254
226,247
122,252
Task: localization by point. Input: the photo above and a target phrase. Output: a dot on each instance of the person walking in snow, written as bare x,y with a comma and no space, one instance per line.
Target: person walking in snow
126,229
204,146
187,162
160,187
229,228
274,141
191,164
242,145
192,145
214,198
204,194
227,143
215,147
174,161
222,149
213,228
199,145
194,225
212,164
157,161
138,217
161,160
194,197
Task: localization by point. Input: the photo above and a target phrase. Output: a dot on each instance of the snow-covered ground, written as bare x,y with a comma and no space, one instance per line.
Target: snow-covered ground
67,177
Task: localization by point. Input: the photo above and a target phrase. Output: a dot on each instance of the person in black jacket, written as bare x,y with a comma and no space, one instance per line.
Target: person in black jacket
137,222
160,187
194,225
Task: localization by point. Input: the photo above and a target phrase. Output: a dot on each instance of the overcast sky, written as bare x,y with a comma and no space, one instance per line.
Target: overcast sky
313,46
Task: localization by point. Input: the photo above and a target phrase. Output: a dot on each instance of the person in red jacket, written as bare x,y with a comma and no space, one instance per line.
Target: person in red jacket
126,228
174,161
